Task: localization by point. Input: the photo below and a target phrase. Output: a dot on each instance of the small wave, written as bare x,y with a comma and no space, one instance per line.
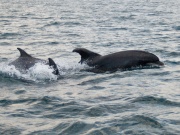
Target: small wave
73,35
63,111
8,102
53,24
64,128
48,100
125,18
60,23
43,106
8,35
174,54
155,100
74,129
92,81
129,125
173,62
53,43
72,23
176,28
9,130
144,120
96,88
40,105
118,29
96,111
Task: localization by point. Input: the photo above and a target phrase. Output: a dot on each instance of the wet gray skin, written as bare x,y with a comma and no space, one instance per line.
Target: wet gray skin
119,60
26,61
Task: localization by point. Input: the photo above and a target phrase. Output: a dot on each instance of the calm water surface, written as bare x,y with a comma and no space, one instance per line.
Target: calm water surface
145,102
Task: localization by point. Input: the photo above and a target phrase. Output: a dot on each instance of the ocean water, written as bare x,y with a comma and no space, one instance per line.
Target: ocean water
132,102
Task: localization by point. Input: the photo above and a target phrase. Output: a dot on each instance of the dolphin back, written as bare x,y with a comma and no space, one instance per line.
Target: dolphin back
26,61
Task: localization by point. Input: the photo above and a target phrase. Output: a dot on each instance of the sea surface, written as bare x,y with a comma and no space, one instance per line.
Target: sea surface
132,102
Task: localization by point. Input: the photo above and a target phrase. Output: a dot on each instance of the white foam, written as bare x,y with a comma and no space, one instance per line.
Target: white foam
68,67
11,71
40,72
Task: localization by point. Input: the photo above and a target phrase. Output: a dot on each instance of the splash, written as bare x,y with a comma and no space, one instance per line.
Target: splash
69,67
40,72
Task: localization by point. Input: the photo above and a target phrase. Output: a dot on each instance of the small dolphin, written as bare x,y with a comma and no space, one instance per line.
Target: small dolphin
26,61
119,60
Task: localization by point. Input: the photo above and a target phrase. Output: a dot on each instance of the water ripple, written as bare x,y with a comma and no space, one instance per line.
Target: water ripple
8,35
8,102
7,130
155,100
143,124
176,28
131,102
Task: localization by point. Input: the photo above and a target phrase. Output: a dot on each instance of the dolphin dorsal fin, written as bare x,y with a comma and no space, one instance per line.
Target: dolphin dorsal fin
54,66
23,53
86,54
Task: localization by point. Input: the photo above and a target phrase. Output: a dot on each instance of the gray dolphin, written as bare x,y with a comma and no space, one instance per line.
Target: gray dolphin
119,60
26,61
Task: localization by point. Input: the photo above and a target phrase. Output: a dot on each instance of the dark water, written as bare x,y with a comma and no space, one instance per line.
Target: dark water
143,102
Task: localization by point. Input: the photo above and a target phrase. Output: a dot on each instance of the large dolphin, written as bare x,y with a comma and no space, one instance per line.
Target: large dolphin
119,60
26,61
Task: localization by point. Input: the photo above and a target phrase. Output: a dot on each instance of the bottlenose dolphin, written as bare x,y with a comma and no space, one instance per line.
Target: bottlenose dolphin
26,61
119,60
